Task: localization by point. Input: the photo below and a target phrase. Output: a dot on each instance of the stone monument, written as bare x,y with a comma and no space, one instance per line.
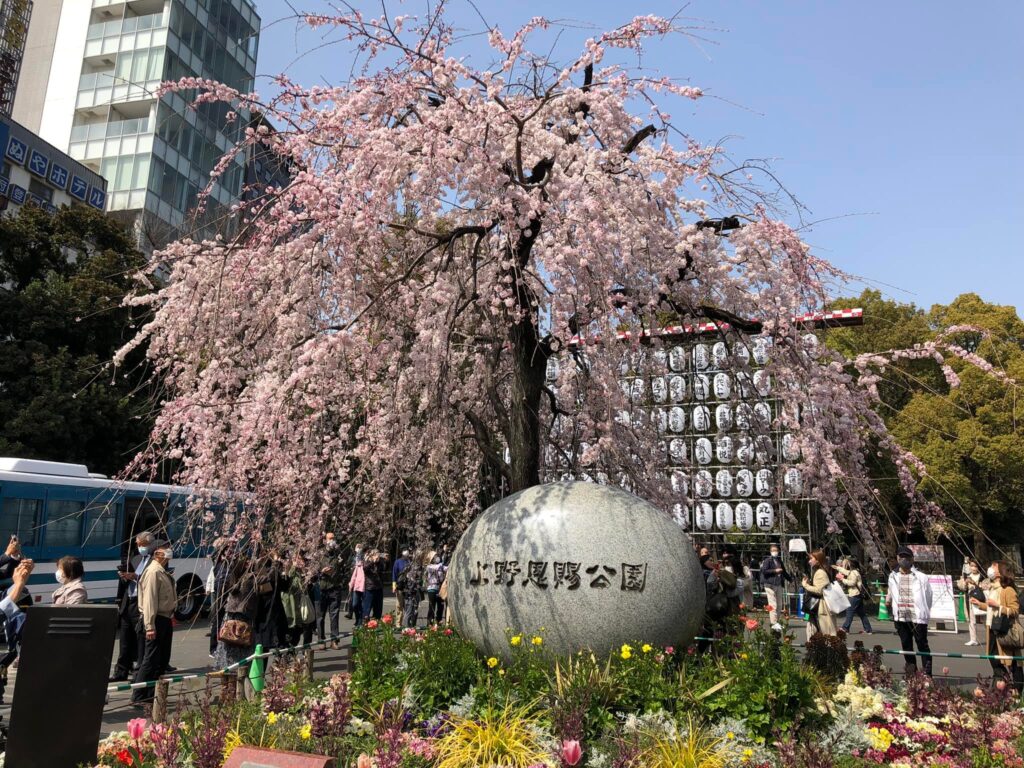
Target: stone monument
582,565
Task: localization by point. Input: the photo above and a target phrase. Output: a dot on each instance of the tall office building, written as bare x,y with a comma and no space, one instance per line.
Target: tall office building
14,17
89,81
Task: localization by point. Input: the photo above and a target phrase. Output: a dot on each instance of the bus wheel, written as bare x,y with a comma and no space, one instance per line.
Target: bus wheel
190,598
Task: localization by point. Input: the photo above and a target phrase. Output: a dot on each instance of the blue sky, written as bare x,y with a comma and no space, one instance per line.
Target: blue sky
899,123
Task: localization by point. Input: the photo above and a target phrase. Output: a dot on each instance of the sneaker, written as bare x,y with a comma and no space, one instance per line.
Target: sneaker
972,642
777,627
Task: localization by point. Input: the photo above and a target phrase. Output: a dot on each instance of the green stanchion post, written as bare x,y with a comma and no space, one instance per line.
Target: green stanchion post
883,607
961,609
256,676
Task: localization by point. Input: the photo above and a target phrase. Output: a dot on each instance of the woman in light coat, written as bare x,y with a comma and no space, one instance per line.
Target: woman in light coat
1003,598
853,583
819,618
71,590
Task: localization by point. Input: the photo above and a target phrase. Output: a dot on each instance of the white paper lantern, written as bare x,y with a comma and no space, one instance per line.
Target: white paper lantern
659,417
681,514
723,516
744,415
762,415
790,447
793,482
762,383
744,449
677,359
552,369
676,419
723,449
701,418
704,518
720,354
764,449
762,349
703,485
680,483
701,359
723,417
702,451
701,386
741,354
744,384
764,482
811,344
744,483
660,359
744,516
677,450
623,418
723,386
659,389
765,516
677,389
723,483
637,390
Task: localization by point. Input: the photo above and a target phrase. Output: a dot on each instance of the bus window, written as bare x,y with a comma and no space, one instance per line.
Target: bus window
21,517
100,525
63,523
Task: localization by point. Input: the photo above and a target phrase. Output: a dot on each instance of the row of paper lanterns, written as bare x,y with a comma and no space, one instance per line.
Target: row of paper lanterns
675,419
725,517
702,386
725,449
744,483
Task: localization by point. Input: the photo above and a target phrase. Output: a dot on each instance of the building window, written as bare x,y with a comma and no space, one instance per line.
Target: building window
37,188
63,523
20,517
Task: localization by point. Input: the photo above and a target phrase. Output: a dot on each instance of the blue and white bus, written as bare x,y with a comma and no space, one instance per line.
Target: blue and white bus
60,509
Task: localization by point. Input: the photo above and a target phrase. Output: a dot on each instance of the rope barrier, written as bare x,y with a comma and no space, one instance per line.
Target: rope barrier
901,652
322,644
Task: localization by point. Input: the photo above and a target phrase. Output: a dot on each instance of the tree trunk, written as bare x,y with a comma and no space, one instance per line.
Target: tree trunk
529,367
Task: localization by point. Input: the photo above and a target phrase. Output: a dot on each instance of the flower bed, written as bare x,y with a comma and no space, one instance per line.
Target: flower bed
426,699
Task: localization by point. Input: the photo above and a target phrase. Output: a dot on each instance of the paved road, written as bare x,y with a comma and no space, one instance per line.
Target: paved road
191,654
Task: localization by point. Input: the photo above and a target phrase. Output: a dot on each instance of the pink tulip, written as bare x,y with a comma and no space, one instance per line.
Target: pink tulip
364,761
751,624
978,693
670,650
945,670
1001,685
571,752
137,728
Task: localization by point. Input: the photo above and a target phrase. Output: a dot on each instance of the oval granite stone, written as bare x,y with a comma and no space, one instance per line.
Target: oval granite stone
584,565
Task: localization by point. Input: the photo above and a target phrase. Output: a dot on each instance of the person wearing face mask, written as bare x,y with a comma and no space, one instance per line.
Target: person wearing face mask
819,618
157,601
357,586
856,590
69,575
401,563
774,577
332,581
910,604
989,601
971,585
131,637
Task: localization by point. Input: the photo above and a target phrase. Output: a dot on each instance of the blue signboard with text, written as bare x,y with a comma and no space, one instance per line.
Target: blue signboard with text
79,188
38,163
17,151
17,194
4,184
97,198
59,176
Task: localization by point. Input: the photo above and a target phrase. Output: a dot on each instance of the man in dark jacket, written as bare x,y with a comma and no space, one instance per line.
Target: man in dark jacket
332,588
774,577
130,632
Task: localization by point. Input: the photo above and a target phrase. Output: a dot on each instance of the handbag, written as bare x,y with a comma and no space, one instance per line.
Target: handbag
1000,624
237,632
307,614
835,598
1014,638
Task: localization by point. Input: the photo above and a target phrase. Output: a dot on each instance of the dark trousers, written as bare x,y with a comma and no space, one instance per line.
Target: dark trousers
1013,674
856,609
155,659
909,634
301,634
373,604
356,603
330,605
435,608
216,619
131,639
